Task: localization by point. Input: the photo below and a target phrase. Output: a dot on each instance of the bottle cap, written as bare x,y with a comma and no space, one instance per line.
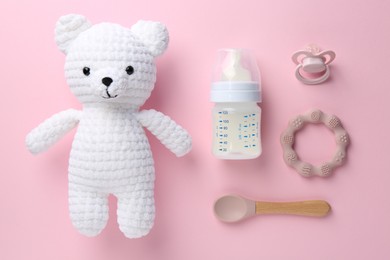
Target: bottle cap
236,77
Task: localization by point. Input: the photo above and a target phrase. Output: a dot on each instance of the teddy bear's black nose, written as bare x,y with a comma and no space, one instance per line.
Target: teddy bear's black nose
107,81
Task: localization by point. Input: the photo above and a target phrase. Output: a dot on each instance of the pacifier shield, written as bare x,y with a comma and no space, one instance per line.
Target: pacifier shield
314,62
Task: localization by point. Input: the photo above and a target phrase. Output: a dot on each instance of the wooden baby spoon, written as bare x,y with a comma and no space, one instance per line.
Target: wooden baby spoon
232,208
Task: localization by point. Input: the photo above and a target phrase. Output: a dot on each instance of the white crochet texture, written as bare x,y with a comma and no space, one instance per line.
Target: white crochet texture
49,132
173,136
110,152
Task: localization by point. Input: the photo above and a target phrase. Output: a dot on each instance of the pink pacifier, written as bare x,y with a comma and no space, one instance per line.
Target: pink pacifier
313,61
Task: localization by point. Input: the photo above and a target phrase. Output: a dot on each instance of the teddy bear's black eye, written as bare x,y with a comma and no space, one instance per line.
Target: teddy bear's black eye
86,71
129,70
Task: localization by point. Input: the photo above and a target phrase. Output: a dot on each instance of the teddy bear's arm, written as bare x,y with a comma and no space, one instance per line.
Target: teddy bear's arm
173,136
51,130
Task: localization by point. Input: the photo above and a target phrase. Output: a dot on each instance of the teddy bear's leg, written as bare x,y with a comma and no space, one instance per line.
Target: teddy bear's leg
135,212
88,210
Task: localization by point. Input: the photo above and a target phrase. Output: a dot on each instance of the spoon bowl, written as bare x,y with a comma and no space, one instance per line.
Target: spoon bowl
232,208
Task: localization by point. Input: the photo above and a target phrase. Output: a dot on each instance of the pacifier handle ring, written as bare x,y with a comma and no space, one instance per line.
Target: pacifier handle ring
314,81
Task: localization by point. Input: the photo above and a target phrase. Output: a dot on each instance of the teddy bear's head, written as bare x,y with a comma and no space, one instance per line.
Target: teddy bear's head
108,63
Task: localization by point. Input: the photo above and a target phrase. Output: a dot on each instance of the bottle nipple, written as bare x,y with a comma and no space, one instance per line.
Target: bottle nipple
233,69
236,77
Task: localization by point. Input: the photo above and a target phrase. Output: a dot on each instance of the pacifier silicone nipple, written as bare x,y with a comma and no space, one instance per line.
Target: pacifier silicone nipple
313,61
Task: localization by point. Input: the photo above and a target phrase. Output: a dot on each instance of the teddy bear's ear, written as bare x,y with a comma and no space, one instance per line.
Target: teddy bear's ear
68,27
153,34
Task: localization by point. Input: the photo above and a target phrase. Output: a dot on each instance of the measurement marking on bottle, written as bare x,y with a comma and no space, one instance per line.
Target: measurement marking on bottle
235,132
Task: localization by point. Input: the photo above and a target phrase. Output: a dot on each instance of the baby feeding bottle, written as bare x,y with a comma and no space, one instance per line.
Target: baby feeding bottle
236,90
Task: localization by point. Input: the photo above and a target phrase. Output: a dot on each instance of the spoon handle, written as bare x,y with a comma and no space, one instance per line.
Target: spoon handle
312,208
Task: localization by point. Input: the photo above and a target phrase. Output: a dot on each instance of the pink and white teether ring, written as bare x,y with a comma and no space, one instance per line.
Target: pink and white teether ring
313,61
291,157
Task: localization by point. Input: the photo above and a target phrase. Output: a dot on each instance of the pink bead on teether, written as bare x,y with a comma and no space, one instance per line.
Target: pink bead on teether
313,61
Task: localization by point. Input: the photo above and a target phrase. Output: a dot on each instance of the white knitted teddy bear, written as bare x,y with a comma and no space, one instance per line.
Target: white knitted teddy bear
111,70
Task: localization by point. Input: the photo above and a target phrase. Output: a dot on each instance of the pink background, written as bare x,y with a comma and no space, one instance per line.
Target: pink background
34,221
